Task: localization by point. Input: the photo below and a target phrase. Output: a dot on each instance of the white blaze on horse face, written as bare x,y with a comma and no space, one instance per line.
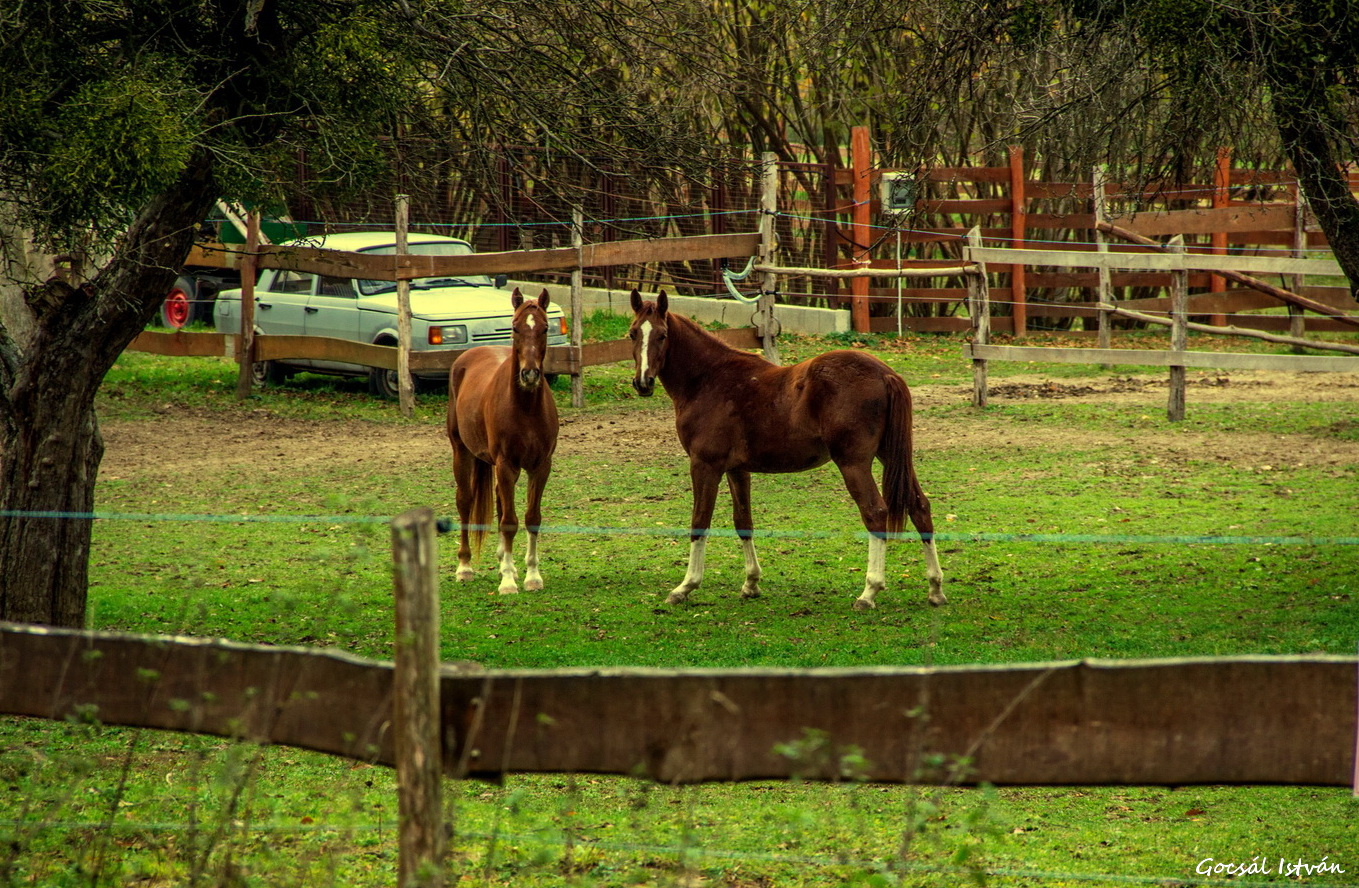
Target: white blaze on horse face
531,321
643,364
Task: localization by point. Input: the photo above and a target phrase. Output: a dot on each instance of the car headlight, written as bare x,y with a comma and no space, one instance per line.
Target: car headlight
453,335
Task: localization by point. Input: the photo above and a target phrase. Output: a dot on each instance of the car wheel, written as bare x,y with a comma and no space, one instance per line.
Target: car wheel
178,308
383,384
268,373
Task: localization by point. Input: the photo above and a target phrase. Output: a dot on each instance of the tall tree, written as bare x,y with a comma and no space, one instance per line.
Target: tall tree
1160,85
121,123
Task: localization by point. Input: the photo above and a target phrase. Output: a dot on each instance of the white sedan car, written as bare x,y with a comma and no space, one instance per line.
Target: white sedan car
446,313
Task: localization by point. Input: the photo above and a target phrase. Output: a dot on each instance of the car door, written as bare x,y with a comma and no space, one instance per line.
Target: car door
280,304
333,311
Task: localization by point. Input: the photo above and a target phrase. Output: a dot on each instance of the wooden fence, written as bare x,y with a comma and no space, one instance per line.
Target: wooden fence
1249,720
247,348
1241,213
1172,260
1256,719
1266,719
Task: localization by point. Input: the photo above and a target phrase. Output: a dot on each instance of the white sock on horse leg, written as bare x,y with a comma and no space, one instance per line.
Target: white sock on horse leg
875,578
533,580
694,575
751,589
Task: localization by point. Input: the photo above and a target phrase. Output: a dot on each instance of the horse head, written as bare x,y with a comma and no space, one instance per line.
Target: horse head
649,333
529,338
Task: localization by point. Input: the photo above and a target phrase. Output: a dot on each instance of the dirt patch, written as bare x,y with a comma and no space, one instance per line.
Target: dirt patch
189,442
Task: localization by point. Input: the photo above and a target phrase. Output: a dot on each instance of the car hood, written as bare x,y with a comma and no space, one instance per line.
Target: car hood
448,303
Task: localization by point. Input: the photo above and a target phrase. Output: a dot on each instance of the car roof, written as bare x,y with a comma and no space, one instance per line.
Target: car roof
355,241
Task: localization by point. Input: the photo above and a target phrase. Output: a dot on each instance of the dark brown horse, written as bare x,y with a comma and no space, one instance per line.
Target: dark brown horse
737,413
501,420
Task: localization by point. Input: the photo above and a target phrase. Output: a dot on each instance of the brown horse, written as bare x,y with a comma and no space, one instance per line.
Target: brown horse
501,420
737,413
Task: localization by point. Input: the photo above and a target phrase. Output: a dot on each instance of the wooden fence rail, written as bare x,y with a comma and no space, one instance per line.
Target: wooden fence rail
1264,719
1174,260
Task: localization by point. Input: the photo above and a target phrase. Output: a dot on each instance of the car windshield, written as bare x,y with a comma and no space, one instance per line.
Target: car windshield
429,248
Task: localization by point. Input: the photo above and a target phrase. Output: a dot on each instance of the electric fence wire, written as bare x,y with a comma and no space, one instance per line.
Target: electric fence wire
448,524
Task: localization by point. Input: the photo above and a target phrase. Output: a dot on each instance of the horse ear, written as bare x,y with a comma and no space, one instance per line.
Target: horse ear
516,298
636,302
662,304
544,299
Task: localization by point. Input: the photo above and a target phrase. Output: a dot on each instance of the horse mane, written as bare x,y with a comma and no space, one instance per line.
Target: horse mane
712,348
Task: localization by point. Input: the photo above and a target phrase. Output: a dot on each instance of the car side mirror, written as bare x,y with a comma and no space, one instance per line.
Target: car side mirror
501,280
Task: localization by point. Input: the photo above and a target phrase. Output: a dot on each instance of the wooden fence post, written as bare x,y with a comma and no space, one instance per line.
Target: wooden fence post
769,205
861,157
416,711
248,265
1019,299
578,306
403,310
1222,198
1179,330
979,307
1106,289
1297,323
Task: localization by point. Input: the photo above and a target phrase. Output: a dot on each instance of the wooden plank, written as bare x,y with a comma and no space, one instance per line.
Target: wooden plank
1261,719
562,358
1208,221
1156,261
1151,358
323,348
672,249
321,700
214,255
180,344
337,263
965,206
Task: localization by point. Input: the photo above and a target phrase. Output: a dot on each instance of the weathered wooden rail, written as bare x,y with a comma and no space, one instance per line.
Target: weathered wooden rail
1265,719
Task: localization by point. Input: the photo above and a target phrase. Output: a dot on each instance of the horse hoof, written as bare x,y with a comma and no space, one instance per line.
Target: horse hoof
863,604
747,592
464,574
509,590
677,597
533,585
939,599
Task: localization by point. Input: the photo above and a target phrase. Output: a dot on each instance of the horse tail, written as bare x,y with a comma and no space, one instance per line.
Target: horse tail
483,499
901,490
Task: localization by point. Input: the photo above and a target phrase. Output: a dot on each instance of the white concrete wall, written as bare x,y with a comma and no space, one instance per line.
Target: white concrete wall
705,309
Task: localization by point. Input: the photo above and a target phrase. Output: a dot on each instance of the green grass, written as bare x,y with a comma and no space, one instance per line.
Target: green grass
90,805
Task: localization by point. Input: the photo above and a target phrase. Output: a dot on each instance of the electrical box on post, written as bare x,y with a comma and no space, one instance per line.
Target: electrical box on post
898,192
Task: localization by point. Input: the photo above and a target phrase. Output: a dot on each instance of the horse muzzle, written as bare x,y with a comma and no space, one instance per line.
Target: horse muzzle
530,378
644,387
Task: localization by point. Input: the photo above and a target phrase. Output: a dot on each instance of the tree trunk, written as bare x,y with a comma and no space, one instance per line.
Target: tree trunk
1304,119
50,446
